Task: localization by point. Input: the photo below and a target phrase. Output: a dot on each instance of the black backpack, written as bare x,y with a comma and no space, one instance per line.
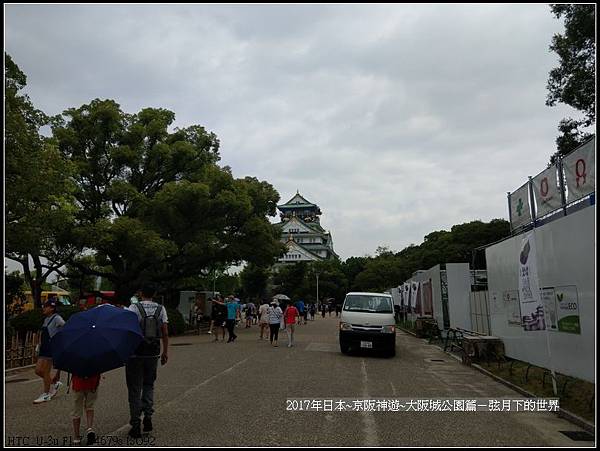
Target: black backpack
151,328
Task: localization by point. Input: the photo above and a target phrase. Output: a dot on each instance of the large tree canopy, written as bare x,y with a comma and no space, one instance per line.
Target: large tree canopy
573,82
154,203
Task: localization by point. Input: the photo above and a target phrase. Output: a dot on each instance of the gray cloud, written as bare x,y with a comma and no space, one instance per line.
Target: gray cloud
396,119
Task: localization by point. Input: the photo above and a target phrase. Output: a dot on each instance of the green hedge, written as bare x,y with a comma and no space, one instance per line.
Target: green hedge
32,320
176,322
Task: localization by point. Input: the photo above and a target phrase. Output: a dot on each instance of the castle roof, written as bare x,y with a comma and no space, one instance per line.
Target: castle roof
297,202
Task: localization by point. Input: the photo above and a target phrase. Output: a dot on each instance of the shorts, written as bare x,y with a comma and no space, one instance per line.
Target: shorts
45,351
83,400
220,322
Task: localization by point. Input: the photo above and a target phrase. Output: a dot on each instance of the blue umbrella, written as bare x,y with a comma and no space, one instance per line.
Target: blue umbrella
96,341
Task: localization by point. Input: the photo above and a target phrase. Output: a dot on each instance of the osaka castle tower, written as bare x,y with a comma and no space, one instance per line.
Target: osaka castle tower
302,233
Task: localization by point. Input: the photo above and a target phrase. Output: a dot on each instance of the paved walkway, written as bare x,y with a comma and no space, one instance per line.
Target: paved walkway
217,394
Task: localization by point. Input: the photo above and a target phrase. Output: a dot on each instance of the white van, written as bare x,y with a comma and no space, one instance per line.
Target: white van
367,322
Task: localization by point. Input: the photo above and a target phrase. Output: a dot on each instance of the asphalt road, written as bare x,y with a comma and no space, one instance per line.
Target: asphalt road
218,394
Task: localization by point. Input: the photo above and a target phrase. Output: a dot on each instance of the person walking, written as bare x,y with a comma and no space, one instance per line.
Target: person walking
141,368
291,314
250,312
43,368
219,312
323,309
263,317
233,315
85,390
275,316
301,310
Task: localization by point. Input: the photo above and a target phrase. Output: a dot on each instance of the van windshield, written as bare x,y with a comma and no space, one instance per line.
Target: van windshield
367,303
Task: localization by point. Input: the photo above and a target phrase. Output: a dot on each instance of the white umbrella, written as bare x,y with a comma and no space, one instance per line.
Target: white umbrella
281,297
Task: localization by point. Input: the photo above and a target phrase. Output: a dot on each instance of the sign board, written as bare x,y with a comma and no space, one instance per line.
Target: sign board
580,172
520,211
546,191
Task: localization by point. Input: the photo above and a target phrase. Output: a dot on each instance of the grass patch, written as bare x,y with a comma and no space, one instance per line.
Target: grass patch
576,396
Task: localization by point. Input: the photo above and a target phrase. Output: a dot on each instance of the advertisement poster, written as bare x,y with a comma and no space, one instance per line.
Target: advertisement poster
532,309
549,301
512,307
567,306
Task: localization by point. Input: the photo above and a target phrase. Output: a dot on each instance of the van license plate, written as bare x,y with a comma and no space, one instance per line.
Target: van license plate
366,344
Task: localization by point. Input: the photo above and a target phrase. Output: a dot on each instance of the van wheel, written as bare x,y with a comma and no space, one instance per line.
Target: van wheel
344,348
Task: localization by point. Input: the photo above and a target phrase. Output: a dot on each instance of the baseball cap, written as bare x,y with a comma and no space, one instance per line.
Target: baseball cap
50,303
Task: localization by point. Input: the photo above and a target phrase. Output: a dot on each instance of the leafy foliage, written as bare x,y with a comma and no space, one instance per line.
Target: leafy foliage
176,321
14,296
32,320
154,204
573,82
39,205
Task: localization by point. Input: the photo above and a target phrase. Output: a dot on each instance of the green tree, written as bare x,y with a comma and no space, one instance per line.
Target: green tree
39,203
14,295
573,82
155,204
254,279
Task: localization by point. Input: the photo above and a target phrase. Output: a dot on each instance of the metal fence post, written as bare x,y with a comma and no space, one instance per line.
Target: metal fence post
532,200
561,182
509,213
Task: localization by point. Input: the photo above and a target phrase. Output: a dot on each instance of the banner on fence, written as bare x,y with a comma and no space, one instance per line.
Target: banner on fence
520,211
580,172
567,306
532,309
549,301
546,191
414,291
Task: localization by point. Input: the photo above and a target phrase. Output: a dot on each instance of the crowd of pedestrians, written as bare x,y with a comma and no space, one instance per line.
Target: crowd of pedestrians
141,367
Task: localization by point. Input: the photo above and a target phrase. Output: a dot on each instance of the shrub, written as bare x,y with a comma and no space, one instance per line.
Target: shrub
32,320
176,322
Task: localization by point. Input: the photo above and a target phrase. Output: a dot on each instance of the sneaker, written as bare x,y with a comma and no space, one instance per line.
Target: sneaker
43,398
135,432
54,388
289,346
209,332
91,437
77,441
147,424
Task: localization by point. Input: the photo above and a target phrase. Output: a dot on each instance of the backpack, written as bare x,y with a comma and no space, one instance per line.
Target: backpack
151,328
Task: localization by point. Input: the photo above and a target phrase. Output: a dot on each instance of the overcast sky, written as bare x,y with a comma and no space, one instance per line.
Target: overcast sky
397,120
